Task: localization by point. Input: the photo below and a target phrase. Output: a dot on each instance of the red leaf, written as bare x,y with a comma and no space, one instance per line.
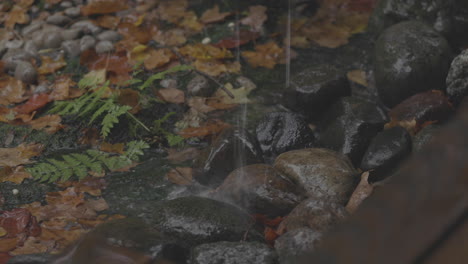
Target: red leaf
235,41
19,221
35,102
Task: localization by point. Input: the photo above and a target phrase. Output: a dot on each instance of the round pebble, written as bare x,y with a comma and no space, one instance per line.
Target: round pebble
87,42
104,46
30,47
70,34
14,44
71,48
73,12
32,28
66,4
25,72
87,27
58,20
109,35
52,39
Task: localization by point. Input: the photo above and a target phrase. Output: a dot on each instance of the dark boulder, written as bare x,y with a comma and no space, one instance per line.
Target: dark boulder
233,253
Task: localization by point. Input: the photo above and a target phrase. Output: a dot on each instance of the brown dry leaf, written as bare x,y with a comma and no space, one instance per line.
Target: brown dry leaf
107,21
62,89
205,52
103,7
265,55
50,123
199,104
34,245
216,67
180,175
112,148
90,185
171,95
190,22
8,244
131,98
171,37
62,236
158,58
97,205
25,3
213,15
357,76
15,175
20,155
257,16
17,15
172,11
211,128
362,191
176,156
12,91
50,65
140,34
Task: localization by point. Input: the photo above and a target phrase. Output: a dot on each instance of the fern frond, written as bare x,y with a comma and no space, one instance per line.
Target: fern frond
111,118
161,75
135,148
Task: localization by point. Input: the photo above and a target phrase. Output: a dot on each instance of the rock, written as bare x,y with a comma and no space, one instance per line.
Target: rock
424,136
104,47
71,48
233,253
51,39
323,173
314,89
350,125
73,12
457,78
13,56
232,149
195,220
127,239
71,34
58,20
409,57
260,189
319,215
419,110
87,27
33,27
26,72
109,35
31,48
296,243
385,151
40,258
282,131
66,4
200,86
14,44
87,42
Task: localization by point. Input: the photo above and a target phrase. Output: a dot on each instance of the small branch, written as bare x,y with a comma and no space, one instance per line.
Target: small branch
139,122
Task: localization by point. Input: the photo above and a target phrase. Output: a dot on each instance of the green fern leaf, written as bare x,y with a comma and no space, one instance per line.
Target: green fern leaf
78,168
111,118
88,162
135,148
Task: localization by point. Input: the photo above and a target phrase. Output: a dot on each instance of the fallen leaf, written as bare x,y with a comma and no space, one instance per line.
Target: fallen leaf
221,100
20,155
17,15
217,67
15,175
19,221
176,156
205,51
34,103
49,123
171,95
270,235
362,191
8,244
131,98
213,15
180,175
171,37
158,58
50,65
190,22
112,148
357,76
34,245
257,16
211,128
200,104
265,55
172,11
237,40
63,88
12,91
107,21
103,7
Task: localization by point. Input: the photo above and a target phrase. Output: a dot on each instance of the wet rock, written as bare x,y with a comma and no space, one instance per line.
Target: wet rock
41,258
109,35
73,12
457,78
314,89
409,57
14,44
282,131
51,39
350,125
323,173
87,42
66,4
296,243
104,46
196,220
318,215
25,72
260,189
424,136
58,20
71,48
385,151
123,239
233,253
419,110
13,56
232,149
87,27
28,191
31,48
71,34
200,86
33,27
438,14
